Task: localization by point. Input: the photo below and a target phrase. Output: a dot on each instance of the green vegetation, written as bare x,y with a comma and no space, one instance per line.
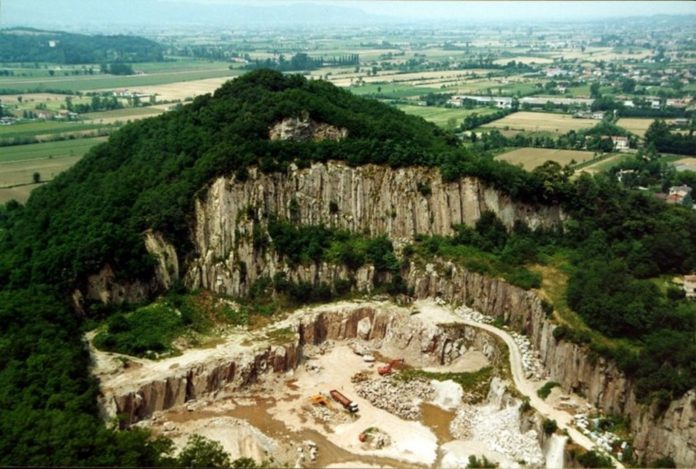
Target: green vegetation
150,330
545,390
31,45
660,135
148,176
70,84
594,459
550,426
475,383
662,463
488,249
38,151
202,452
27,132
480,463
443,116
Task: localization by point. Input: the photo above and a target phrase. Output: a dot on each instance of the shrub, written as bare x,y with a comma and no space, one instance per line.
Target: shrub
550,426
594,459
545,390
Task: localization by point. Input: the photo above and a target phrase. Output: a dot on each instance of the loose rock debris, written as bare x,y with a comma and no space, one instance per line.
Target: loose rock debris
401,398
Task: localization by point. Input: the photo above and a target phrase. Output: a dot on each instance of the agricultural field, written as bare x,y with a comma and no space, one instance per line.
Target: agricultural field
530,158
392,91
180,91
441,116
604,164
635,125
19,163
122,115
109,82
42,129
685,164
541,122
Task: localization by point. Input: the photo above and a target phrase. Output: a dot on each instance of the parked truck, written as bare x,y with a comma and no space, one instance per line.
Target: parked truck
347,404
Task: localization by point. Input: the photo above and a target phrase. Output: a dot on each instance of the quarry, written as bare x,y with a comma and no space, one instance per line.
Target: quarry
265,394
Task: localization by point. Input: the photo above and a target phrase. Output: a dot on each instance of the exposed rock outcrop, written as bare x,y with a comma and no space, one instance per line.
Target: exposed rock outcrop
106,287
671,433
369,199
152,386
303,128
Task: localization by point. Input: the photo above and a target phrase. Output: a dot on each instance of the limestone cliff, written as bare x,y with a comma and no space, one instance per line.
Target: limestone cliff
400,203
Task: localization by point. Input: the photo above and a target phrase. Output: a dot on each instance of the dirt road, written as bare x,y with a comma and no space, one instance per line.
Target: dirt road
529,388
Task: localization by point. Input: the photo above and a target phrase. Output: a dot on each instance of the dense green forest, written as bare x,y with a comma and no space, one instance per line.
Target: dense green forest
30,45
150,172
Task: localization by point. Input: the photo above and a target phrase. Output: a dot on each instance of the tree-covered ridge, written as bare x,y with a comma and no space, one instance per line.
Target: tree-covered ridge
146,176
30,45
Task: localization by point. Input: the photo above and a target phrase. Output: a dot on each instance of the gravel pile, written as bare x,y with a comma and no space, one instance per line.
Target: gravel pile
401,398
460,426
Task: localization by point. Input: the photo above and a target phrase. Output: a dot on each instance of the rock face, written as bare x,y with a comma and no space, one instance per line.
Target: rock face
303,128
369,199
195,381
672,433
137,394
106,287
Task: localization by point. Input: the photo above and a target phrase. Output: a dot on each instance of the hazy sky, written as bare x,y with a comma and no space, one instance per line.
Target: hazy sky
104,14
519,9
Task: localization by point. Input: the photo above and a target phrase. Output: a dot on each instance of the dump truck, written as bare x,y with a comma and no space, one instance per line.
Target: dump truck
387,369
347,404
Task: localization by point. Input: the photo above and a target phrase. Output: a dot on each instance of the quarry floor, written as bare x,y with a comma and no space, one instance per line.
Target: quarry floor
275,419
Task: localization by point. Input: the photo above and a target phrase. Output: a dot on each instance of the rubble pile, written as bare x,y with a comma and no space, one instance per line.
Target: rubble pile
500,430
606,440
460,426
401,398
375,438
321,413
472,315
531,360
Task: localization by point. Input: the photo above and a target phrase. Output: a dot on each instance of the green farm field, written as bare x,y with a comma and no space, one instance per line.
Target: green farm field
388,91
96,82
19,163
440,115
530,158
35,129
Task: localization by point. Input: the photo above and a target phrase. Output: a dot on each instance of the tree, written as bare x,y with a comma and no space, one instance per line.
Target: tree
202,452
36,177
628,85
594,90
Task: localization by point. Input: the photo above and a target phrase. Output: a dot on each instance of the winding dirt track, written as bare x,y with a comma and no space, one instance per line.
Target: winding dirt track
529,388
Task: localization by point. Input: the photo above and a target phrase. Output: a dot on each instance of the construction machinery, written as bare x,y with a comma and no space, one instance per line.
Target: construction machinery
388,368
320,399
347,404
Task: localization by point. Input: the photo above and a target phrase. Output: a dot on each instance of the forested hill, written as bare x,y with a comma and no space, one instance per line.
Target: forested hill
32,45
147,174
617,243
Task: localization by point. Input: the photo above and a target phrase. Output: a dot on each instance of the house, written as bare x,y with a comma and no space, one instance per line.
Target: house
690,286
620,143
680,195
623,172
655,104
